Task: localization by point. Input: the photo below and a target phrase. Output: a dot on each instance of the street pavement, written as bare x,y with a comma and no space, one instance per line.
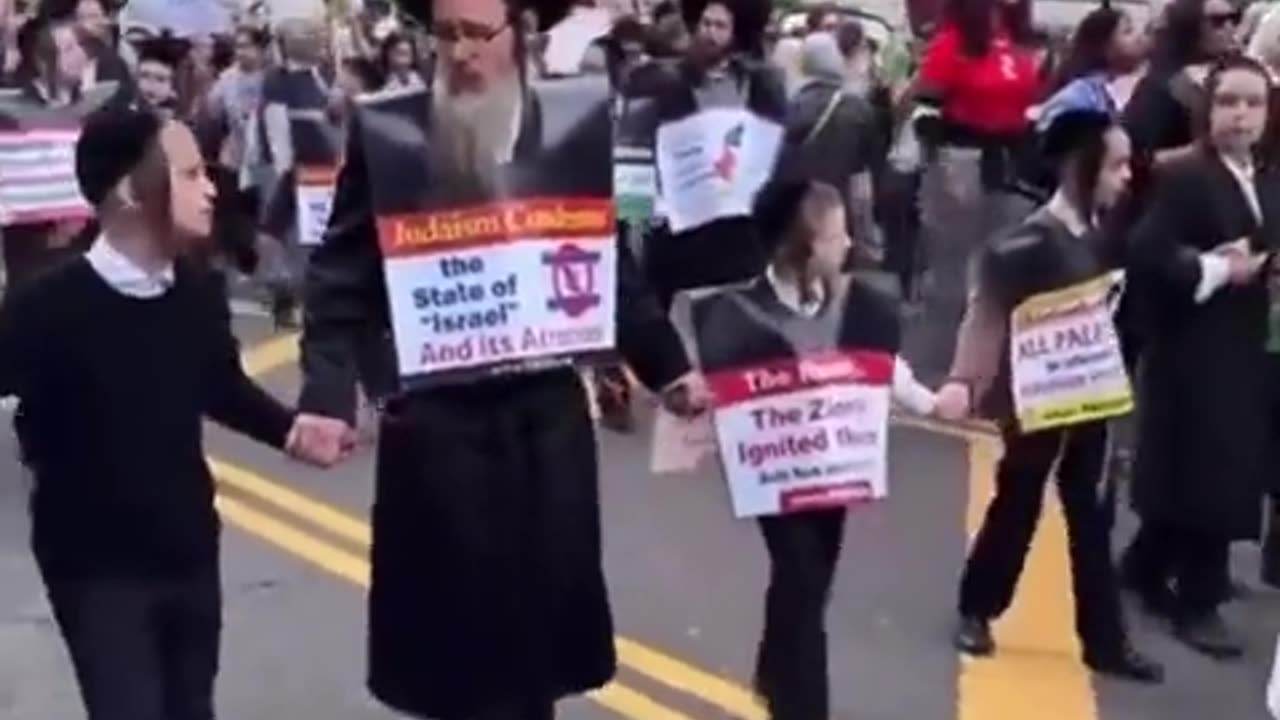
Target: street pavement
687,583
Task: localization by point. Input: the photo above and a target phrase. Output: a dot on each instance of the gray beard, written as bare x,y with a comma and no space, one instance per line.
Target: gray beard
472,134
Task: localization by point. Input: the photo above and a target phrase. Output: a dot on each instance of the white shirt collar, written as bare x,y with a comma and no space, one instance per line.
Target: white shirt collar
1244,175
789,295
124,276
1060,208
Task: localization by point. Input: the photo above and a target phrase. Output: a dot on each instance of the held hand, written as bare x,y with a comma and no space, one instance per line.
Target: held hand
1244,268
953,402
320,441
1239,246
687,397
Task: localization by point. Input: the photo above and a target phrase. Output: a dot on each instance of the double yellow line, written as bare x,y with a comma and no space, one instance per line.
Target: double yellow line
1036,674
337,543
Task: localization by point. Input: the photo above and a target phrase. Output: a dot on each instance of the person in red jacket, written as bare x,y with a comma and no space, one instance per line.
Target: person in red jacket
978,78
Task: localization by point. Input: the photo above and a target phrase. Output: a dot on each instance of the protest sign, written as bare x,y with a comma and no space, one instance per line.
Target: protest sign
38,177
508,269
37,157
804,434
635,177
711,164
317,155
314,188
800,417
1065,356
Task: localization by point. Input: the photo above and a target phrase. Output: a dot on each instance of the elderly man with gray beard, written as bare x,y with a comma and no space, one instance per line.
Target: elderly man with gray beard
488,598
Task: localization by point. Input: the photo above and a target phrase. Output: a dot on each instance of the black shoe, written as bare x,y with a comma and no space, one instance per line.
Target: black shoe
1210,636
973,637
1125,663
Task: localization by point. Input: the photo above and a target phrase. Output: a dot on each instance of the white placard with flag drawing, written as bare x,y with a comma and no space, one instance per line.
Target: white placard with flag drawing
712,164
38,177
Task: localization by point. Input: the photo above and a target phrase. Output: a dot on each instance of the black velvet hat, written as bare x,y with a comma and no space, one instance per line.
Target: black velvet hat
549,12
164,49
112,142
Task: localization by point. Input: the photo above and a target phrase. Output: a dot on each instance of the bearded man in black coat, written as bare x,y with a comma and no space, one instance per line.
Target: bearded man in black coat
488,598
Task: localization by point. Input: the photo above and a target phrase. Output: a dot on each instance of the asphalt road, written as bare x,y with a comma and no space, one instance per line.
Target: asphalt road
687,583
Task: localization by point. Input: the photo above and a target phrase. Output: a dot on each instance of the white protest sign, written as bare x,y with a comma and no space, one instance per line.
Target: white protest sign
712,164
1065,357
509,281
38,177
314,188
806,434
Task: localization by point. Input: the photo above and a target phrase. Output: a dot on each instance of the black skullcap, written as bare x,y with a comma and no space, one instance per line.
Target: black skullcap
776,207
165,49
1072,130
112,142
549,12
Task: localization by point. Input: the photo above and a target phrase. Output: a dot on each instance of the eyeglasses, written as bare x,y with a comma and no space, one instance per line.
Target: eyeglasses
1221,20
452,31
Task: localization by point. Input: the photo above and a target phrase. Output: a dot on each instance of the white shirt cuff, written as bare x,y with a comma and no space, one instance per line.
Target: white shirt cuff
1215,271
909,392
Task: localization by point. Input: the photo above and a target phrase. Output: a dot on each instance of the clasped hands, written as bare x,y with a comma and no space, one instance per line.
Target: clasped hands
320,441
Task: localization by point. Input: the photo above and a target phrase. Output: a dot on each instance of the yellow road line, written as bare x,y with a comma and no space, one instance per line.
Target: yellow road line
322,515
629,703
1036,672
355,570
659,666
268,355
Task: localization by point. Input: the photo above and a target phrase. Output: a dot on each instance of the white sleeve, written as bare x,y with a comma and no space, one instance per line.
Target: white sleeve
1215,271
910,393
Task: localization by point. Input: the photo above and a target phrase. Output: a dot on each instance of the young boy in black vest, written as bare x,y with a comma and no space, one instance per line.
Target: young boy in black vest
117,357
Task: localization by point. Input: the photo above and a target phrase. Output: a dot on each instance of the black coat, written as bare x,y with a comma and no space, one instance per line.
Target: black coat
487,581
728,249
1203,403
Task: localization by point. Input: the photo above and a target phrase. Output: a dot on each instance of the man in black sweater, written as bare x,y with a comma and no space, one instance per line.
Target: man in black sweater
117,357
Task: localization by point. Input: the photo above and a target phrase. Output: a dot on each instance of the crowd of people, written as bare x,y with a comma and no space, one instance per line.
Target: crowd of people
914,203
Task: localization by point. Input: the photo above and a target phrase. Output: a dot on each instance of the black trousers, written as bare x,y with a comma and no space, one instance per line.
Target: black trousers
1000,550
1192,563
791,663
142,649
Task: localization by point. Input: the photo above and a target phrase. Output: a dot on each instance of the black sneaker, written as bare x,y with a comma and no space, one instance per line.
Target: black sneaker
1209,636
973,637
1125,663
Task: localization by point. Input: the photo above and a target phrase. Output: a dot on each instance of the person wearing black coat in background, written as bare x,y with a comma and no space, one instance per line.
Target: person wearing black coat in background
1205,246
721,69
488,599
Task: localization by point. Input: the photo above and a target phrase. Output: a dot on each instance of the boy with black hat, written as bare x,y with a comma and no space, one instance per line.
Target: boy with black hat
158,61
117,357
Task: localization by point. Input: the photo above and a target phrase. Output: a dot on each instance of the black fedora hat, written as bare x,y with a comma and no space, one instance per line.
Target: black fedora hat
750,19
549,12
62,9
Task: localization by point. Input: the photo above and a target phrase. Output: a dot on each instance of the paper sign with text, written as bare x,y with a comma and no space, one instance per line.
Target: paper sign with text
38,177
505,266
1065,356
805,434
712,164
511,281
315,186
